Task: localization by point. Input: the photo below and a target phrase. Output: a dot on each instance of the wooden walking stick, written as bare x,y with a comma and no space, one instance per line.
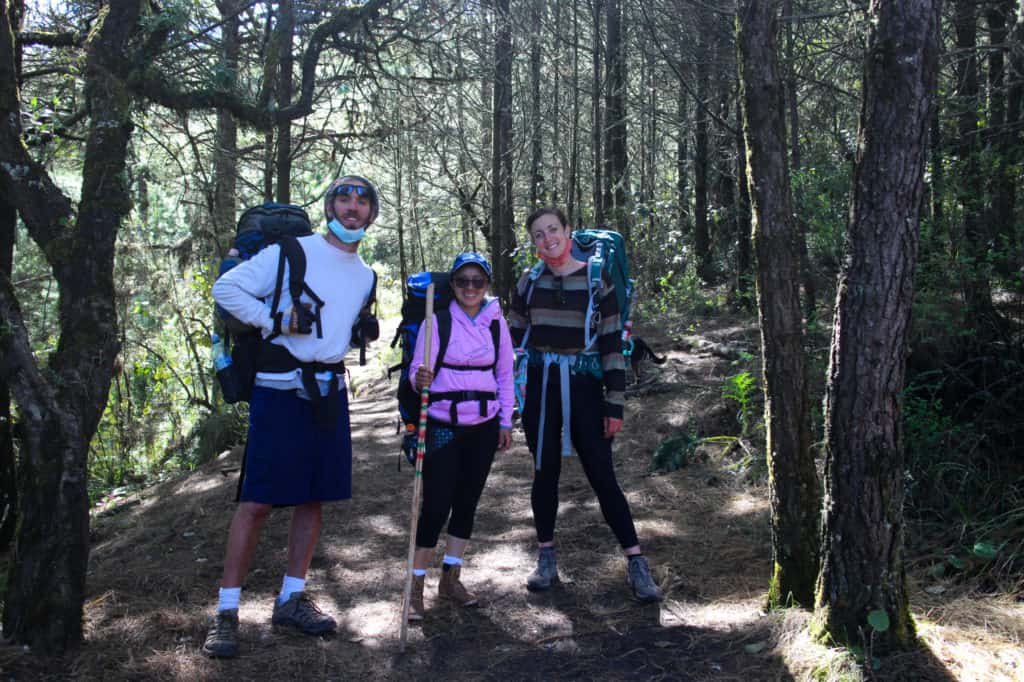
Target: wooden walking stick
421,449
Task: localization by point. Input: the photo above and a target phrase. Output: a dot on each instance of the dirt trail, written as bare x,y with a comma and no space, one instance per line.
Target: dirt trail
156,562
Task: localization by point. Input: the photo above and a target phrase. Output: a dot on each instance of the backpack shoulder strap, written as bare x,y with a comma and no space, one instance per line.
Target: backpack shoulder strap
275,313
496,340
372,300
444,335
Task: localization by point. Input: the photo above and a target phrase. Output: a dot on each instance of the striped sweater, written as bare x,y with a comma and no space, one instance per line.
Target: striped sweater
557,313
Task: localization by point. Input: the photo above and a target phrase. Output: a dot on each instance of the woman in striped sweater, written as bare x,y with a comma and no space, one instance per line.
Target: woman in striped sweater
575,377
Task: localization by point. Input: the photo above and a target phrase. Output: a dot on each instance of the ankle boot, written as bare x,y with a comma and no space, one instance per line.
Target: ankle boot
416,598
451,588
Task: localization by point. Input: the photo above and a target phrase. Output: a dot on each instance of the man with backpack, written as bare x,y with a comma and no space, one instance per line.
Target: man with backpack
299,447
571,332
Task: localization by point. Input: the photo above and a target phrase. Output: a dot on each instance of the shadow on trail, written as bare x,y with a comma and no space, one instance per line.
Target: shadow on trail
155,567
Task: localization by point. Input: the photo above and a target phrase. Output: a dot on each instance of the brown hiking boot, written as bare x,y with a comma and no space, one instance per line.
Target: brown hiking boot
416,598
451,588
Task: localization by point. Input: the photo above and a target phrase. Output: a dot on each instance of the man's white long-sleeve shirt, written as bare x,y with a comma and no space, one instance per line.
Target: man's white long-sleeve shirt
341,279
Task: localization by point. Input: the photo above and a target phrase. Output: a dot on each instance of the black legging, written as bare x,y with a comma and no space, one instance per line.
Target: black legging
454,474
594,450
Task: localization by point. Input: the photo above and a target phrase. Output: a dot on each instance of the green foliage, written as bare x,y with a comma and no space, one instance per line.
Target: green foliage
741,389
878,620
681,291
676,451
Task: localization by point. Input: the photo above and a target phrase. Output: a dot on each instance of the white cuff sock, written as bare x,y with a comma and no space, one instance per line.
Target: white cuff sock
228,598
290,585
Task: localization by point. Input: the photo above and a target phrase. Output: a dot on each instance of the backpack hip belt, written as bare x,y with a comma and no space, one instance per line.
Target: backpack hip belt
584,362
275,358
457,397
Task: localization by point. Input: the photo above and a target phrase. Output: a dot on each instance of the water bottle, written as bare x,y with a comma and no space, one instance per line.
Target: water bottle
221,359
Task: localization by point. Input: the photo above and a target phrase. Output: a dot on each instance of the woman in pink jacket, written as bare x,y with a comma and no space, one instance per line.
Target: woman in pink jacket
470,416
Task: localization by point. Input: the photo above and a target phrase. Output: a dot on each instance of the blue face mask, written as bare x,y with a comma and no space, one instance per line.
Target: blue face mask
344,234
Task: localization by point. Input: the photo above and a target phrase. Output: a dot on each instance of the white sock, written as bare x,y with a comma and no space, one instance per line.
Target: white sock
228,598
452,560
290,585
419,572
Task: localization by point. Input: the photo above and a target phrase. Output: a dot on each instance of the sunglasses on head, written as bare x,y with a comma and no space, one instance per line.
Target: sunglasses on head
346,189
468,282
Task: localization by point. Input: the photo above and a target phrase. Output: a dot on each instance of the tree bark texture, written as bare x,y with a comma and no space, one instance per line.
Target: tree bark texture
794,487
536,125
597,120
8,225
60,405
225,157
702,161
862,543
8,469
502,237
615,120
283,37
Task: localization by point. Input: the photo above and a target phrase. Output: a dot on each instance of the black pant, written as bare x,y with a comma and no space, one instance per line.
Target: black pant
455,469
586,395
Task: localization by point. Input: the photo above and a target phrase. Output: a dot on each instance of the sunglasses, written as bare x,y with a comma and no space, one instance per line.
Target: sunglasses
358,190
474,282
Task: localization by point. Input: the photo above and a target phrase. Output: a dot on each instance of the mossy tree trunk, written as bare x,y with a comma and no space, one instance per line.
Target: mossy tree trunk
795,491
59,405
862,570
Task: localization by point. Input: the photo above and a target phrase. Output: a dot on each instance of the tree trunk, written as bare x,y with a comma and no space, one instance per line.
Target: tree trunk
597,122
285,29
1004,139
682,152
796,164
502,237
572,182
536,127
225,156
862,571
8,469
8,234
61,405
615,120
702,164
794,488
743,225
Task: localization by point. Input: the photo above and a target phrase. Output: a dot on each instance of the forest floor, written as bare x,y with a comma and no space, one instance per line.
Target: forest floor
157,556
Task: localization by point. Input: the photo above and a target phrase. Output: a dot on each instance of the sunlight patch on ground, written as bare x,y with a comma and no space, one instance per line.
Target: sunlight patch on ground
373,620
976,638
723,615
382,524
198,484
504,560
745,505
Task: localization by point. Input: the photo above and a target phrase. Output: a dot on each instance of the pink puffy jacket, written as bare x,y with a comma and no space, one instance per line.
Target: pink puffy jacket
470,344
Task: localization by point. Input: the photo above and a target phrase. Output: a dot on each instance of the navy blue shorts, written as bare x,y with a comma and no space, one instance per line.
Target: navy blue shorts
289,459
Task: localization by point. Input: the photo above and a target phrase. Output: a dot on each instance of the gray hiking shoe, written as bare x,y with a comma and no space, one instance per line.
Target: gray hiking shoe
546,573
640,579
302,613
222,639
